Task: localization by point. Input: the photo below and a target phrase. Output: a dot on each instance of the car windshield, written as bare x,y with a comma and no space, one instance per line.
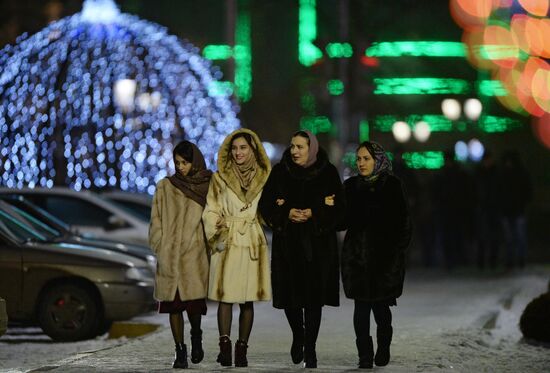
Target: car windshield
25,218
135,209
49,216
17,230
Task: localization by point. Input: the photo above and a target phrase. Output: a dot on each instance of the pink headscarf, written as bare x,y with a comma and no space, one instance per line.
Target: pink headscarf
313,149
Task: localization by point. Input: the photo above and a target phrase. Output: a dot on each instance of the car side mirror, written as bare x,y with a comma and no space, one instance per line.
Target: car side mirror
115,222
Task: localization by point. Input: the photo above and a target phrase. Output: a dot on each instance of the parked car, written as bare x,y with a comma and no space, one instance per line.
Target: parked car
88,213
138,203
55,229
71,290
3,317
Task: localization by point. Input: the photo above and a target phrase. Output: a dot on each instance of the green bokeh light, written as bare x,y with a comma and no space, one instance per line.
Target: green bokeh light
424,160
318,124
217,52
417,49
339,50
308,53
420,86
335,87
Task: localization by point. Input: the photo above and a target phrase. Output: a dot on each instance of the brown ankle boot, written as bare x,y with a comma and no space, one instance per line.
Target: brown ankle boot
224,357
240,354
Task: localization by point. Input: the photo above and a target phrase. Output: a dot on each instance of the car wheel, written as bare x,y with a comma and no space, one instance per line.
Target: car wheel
103,327
68,313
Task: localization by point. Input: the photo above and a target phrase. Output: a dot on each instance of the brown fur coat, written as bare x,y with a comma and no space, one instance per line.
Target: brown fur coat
239,268
176,236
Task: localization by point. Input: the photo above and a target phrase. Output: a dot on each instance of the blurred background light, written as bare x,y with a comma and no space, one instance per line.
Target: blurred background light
461,151
422,131
451,108
473,108
475,150
401,131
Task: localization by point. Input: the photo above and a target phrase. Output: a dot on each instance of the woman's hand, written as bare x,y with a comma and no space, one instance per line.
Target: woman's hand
280,202
299,216
329,200
220,223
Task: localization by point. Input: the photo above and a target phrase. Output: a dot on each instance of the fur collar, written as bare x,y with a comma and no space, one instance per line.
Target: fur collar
227,174
299,172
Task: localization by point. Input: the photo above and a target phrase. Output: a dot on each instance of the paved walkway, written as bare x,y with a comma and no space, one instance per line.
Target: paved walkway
443,323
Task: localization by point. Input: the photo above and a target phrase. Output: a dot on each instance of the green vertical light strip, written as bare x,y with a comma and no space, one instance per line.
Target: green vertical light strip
243,57
417,49
364,131
308,53
429,160
420,86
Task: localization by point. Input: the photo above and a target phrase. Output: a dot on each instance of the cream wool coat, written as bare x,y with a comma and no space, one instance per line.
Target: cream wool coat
176,236
239,265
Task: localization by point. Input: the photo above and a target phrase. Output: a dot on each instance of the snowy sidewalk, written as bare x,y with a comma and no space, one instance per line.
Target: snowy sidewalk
443,323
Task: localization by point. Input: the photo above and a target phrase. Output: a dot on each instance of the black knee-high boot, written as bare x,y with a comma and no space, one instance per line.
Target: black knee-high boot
295,317
312,321
365,350
383,340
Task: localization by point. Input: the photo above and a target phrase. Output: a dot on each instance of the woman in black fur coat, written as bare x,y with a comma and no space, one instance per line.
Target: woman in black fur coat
373,256
302,202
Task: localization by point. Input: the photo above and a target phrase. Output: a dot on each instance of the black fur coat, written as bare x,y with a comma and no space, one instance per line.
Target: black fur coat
379,231
304,262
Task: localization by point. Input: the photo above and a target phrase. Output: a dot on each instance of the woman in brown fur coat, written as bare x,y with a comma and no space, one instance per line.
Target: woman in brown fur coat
239,268
176,235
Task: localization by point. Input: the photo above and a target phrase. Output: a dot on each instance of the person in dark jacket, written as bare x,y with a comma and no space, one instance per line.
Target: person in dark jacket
373,256
302,202
516,193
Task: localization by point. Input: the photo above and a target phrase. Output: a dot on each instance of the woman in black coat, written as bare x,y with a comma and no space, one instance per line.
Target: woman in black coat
373,256
302,202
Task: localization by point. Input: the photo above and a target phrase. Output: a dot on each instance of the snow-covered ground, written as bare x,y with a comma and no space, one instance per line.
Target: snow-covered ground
459,322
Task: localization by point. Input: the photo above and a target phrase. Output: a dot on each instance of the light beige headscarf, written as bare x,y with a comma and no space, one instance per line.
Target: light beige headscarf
245,172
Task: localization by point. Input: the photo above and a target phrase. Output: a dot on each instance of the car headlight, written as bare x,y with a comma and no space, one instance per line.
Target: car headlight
139,274
152,261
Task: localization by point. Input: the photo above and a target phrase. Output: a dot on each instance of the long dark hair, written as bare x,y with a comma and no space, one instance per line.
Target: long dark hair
185,150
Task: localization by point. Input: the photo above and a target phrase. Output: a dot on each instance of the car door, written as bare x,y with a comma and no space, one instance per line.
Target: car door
11,271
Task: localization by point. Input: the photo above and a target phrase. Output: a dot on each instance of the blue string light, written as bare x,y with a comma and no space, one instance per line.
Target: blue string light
60,110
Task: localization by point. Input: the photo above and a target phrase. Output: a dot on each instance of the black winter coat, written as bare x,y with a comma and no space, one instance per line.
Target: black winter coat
304,262
379,231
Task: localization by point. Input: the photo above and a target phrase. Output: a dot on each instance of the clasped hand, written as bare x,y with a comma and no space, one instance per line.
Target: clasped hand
220,223
299,216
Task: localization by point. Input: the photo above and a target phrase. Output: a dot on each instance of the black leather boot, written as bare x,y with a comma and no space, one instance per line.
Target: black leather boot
240,354
197,353
297,348
383,341
310,356
365,351
181,357
224,357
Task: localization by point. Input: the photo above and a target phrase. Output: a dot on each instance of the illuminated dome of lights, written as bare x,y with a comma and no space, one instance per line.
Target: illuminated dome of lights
98,99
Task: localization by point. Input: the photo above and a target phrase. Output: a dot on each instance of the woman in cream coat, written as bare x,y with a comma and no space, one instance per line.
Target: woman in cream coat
239,267
176,235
